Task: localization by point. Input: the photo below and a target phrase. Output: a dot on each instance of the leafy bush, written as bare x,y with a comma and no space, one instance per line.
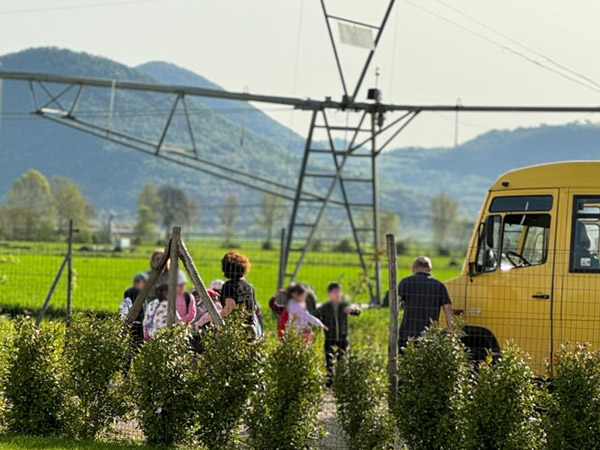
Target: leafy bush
160,387
283,413
33,391
572,419
359,386
344,246
229,372
501,412
432,374
95,353
6,341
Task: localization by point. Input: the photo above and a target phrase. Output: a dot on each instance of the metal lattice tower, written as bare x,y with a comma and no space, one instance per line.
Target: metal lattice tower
339,163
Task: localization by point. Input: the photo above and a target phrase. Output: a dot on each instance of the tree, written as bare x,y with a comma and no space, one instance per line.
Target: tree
228,217
144,227
444,212
70,204
149,197
389,223
173,207
272,212
30,206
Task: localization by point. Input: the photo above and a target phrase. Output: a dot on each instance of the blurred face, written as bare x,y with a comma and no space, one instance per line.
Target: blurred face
335,295
139,284
300,298
155,260
181,288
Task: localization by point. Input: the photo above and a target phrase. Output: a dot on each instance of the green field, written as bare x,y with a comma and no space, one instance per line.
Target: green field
27,270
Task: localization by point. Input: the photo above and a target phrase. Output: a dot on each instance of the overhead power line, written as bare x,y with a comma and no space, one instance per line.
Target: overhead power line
519,43
587,84
74,6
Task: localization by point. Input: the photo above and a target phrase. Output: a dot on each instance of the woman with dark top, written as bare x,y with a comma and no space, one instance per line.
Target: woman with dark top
238,291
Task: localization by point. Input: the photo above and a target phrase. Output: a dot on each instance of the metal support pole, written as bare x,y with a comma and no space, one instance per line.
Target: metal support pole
51,291
298,196
376,227
173,273
69,270
282,260
393,302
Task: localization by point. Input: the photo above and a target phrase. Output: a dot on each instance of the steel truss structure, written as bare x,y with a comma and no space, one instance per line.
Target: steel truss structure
350,151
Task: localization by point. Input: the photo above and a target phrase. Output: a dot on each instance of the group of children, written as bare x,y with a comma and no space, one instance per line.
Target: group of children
153,315
294,307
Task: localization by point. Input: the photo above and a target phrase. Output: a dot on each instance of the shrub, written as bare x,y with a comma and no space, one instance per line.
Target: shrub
432,374
230,370
359,386
6,341
95,353
501,412
160,388
33,391
344,246
283,413
572,419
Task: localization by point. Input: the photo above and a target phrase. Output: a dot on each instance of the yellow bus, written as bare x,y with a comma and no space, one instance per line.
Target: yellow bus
532,275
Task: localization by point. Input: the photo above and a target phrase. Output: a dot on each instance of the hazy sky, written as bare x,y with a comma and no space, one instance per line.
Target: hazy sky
281,47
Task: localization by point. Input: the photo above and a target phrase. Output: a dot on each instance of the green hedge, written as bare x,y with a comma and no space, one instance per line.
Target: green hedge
360,389
77,380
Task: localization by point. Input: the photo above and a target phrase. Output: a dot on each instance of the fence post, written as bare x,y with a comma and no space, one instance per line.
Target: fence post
393,305
69,270
189,265
173,273
282,260
143,294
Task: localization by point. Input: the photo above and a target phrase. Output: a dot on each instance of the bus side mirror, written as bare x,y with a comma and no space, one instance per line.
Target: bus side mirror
488,229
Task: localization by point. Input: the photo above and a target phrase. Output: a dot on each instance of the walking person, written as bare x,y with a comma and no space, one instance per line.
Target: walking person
334,314
129,297
296,314
423,296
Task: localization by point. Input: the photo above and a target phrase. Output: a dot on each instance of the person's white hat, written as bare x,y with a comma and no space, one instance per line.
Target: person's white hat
216,285
181,278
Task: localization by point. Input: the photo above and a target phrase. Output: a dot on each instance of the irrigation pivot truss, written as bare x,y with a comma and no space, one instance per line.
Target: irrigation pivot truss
328,172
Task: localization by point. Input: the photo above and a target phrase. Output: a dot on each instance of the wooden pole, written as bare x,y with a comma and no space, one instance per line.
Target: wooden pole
173,274
189,265
282,260
143,294
69,270
393,302
51,291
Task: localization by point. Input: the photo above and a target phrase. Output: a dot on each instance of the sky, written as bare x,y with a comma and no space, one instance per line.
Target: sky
431,52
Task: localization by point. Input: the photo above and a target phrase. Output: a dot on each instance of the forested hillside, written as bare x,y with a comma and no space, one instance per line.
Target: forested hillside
112,177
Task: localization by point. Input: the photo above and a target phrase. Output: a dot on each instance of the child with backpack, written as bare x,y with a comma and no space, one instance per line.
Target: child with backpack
129,297
155,317
334,315
186,305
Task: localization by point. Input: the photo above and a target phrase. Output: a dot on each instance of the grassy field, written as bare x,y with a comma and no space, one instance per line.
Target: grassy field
27,270
50,443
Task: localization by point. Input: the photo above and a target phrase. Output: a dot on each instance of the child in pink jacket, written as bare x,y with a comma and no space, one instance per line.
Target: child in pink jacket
186,306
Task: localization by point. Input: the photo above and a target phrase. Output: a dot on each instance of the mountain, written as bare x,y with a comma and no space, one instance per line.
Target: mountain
112,176
242,113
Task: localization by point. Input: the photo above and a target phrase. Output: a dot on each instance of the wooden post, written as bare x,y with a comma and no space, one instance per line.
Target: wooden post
143,294
189,265
69,270
282,261
393,302
173,274
51,291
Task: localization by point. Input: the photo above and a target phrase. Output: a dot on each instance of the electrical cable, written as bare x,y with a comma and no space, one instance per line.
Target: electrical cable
80,6
503,47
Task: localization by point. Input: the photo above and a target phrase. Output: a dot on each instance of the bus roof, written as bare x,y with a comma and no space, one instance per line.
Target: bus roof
584,174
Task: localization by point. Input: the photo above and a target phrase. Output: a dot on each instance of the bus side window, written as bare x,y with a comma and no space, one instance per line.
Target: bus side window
487,252
584,235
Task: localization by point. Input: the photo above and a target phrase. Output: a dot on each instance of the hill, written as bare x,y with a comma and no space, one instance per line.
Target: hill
112,176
